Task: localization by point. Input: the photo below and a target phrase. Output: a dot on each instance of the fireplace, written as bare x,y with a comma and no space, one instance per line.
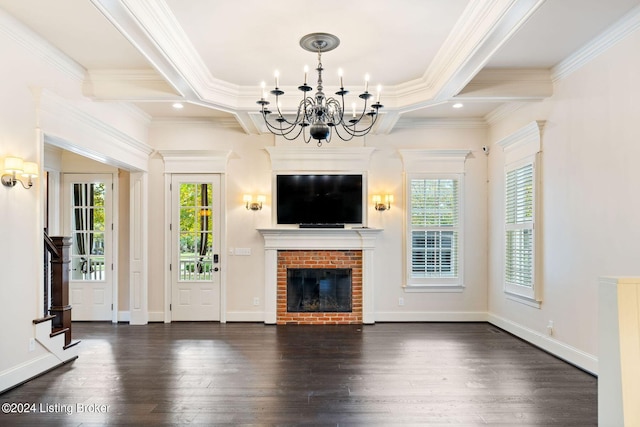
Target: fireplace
293,248
318,290
319,287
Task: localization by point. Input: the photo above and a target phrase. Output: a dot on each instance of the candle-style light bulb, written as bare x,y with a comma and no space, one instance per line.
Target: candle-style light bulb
340,75
353,109
379,89
366,82
306,70
276,74
263,85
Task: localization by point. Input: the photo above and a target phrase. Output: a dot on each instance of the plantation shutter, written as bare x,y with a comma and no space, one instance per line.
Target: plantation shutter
434,228
519,204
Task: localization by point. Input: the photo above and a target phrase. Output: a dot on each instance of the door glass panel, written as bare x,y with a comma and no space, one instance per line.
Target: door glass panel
196,232
88,226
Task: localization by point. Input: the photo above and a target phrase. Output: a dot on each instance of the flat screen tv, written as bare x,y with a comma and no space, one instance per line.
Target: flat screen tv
319,199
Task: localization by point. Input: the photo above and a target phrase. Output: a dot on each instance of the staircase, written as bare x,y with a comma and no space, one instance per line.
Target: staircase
53,329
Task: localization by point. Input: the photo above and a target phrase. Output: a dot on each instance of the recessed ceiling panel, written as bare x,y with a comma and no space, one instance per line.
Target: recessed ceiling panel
243,42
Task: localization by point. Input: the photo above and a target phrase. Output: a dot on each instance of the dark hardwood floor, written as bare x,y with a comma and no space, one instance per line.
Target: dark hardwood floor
432,374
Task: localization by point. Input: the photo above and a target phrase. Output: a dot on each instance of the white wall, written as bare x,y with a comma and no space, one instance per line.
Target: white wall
249,171
20,209
590,204
41,96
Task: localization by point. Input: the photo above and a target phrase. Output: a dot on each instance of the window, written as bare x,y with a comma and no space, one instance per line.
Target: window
434,230
519,220
521,192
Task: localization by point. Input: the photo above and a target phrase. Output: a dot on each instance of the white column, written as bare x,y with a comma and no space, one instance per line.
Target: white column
138,278
368,293
619,352
270,285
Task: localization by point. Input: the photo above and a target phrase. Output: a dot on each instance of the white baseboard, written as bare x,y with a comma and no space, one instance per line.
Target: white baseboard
579,358
245,316
435,316
27,370
156,316
576,357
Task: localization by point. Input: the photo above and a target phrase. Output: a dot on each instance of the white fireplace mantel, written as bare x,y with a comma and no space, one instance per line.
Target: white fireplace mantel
275,239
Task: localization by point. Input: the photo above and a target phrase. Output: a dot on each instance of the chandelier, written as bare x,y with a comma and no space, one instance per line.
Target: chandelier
320,114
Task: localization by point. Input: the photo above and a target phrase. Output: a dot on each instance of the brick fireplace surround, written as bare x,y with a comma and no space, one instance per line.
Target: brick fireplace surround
319,248
320,259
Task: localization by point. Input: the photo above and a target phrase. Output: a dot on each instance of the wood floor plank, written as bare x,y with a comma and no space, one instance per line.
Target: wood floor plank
433,374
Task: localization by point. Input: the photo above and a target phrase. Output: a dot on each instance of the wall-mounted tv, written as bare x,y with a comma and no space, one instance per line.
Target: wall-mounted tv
319,199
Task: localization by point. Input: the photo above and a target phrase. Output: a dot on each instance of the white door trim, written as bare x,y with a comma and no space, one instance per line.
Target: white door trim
138,248
113,232
168,177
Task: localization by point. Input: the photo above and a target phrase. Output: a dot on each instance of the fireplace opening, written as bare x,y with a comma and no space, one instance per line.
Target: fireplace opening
318,290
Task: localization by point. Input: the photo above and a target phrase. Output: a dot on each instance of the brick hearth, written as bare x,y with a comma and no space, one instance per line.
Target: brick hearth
319,259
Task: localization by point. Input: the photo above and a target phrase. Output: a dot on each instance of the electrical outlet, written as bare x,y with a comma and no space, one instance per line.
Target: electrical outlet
231,251
32,344
256,301
550,327
400,301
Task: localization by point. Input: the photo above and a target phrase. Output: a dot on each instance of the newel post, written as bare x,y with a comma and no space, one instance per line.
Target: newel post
60,307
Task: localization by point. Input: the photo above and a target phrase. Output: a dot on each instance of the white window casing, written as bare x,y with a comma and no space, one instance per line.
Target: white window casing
521,219
434,190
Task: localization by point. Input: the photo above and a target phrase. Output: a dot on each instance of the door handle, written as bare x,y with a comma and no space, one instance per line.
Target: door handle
216,269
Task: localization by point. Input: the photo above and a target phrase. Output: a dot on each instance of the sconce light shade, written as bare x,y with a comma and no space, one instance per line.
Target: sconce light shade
254,206
14,166
30,170
377,201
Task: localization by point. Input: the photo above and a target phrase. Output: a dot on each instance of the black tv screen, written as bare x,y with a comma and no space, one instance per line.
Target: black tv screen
319,199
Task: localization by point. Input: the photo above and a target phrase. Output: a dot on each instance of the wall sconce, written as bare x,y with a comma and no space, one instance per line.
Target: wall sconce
14,166
377,200
254,206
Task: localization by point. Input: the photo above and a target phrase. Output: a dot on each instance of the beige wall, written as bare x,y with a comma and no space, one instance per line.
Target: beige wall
590,222
249,171
590,204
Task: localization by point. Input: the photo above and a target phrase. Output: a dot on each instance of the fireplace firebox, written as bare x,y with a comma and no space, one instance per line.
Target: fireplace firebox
326,290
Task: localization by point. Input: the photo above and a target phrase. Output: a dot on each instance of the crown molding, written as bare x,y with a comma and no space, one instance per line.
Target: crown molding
135,85
618,31
530,132
35,44
524,142
433,161
167,34
509,84
440,123
504,110
483,28
195,161
312,158
216,122
72,128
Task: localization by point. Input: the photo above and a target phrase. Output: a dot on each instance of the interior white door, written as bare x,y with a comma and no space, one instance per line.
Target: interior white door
88,220
195,242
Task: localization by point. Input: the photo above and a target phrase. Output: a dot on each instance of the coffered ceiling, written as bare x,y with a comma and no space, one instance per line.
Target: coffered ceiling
212,54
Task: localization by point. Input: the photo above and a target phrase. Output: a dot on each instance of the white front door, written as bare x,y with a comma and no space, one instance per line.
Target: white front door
195,243
88,220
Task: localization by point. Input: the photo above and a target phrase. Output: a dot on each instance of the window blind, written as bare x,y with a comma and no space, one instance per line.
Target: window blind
434,228
519,207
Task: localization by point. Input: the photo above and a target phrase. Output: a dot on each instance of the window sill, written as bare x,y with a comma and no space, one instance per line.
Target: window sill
524,300
433,288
